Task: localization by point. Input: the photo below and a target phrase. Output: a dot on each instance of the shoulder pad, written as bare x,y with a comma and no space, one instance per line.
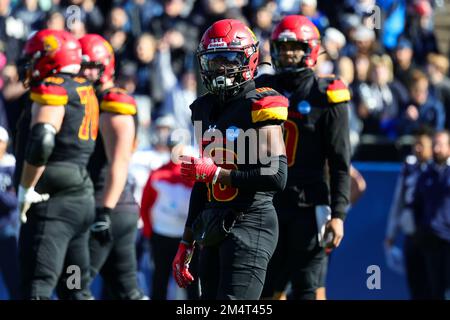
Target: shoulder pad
117,100
334,88
268,104
49,93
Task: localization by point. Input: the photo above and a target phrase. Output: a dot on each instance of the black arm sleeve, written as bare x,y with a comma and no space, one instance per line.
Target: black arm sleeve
272,177
338,155
196,202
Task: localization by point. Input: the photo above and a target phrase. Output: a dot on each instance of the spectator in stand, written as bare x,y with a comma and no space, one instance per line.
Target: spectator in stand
31,16
287,7
359,7
437,69
117,33
346,72
431,207
90,14
164,207
380,100
404,63
421,32
11,32
141,12
308,8
177,31
9,220
333,42
177,93
363,43
423,109
12,95
55,20
145,51
206,12
262,19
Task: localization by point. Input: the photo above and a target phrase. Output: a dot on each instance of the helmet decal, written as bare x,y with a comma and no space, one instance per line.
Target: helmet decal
287,35
51,44
217,43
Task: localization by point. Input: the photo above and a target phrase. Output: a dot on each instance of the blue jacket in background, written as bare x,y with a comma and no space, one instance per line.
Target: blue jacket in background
431,114
431,203
9,221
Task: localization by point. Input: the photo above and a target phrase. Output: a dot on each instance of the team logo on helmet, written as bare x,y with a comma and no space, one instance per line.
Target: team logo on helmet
307,31
217,43
108,47
51,44
287,35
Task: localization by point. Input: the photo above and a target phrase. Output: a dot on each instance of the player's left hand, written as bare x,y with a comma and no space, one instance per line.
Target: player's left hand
335,227
101,229
198,169
180,264
26,197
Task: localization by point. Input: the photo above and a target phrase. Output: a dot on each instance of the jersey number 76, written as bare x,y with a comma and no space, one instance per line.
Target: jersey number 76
89,125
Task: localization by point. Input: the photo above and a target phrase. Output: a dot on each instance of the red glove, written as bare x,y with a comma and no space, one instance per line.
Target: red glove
198,169
180,265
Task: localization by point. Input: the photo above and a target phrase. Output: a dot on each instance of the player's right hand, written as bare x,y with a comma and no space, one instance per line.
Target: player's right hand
198,169
26,197
180,265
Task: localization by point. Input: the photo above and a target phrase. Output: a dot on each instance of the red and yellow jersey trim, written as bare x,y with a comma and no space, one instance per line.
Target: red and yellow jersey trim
50,95
337,92
270,108
118,101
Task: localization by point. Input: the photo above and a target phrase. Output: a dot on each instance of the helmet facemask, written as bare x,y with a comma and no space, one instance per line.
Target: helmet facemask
93,65
296,66
28,71
224,72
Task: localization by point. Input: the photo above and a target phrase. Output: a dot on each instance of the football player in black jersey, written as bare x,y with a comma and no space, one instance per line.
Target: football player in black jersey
55,193
113,234
231,214
311,212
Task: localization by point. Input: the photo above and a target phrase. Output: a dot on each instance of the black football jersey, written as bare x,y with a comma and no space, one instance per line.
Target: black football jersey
316,134
75,141
226,132
117,101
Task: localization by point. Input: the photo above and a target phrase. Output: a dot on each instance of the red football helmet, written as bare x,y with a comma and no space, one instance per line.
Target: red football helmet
98,53
299,29
228,56
49,52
